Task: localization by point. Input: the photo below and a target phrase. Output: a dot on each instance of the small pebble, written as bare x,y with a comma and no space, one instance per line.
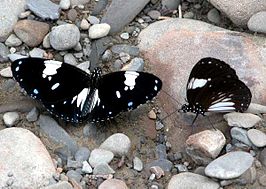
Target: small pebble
181,168
107,55
64,4
72,15
124,35
152,177
159,125
82,154
257,137
93,20
33,115
137,164
154,14
136,64
70,59
214,16
99,30
113,184
10,118
84,24
6,72
158,171
86,168
46,42
13,41
24,14
103,169
152,115
99,156
124,57
188,15
37,52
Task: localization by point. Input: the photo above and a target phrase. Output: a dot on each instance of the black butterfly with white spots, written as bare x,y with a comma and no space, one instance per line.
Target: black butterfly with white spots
213,86
73,95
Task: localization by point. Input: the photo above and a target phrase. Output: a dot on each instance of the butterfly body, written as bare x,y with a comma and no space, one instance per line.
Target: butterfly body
213,86
73,95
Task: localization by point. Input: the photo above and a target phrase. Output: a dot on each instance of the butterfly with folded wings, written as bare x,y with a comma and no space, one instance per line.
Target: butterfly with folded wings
213,86
73,95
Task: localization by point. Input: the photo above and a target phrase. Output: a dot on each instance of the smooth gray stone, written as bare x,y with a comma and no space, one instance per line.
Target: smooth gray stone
44,9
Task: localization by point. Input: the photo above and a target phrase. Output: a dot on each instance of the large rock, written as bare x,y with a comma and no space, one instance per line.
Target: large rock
128,10
24,159
239,11
64,37
9,11
174,46
191,181
31,32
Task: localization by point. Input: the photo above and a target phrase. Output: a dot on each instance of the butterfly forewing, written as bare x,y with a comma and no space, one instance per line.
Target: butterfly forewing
123,91
214,86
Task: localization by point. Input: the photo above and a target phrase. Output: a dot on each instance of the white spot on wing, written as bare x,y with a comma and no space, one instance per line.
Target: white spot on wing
196,83
131,79
81,98
118,94
222,106
55,86
51,67
35,91
17,69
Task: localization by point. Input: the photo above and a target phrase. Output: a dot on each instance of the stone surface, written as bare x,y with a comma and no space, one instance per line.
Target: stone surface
127,12
10,118
79,2
3,53
33,115
239,11
9,11
31,32
230,165
13,41
64,4
64,37
103,169
244,120
99,156
113,184
84,24
256,108
86,168
170,4
37,52
25,157
59,185
257,137
214,16
257,22
158,171
117,143
176,45
70,59
6,72
44,8
165,164
136,64
191,181
131,50
137,164
99,30
206,143
57,137
240,135
82,154
262,157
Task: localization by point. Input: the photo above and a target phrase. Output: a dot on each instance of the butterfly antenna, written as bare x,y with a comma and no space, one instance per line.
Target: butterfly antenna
211,123
171,97
161,120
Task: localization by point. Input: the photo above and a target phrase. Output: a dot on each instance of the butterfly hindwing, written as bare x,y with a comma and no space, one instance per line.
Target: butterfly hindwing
214,86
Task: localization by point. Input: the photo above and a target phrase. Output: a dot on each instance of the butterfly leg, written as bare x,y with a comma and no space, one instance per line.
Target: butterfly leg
211,123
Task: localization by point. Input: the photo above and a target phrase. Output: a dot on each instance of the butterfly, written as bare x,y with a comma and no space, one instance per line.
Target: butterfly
73,95
213,86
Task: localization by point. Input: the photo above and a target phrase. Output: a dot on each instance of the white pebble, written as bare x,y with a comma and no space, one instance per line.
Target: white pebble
124,35
86,168
6,72
99,30
84,24
10,118
64,4
257,137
